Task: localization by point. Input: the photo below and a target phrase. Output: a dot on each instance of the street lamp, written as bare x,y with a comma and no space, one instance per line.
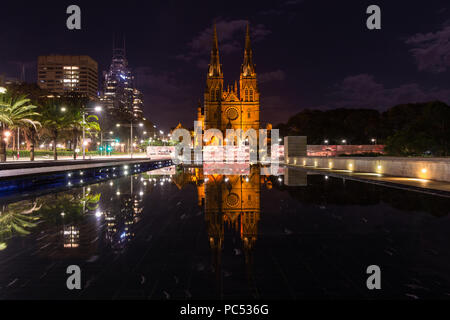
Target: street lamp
6,134
326,142
344,141
374,141
131,125
3,90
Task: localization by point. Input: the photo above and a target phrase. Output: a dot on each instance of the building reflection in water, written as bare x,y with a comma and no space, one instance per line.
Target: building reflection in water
230,196
114,222
124,205
81,222
232,201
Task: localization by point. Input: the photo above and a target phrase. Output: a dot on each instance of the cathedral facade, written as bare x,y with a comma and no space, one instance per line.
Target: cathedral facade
236,106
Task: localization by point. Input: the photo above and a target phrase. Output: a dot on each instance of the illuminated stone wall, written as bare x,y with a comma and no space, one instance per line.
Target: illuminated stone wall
417,168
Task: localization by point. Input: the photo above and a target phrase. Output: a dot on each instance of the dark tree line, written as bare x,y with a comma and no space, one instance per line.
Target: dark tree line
407,129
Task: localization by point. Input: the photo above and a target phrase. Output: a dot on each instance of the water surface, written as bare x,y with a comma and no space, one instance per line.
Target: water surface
189,233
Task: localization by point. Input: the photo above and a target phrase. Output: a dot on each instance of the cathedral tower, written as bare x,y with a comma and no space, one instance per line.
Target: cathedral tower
214,87
236,107
248,88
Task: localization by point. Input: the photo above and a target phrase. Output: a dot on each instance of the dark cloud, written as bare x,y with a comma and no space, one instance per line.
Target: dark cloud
275,109
271,12
283,8
432,50
293,2
231,39
165,96
362,91
277,75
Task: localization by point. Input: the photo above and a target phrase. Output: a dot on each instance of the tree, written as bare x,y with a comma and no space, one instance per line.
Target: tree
15,112
358,126
75,105
37,97
74,205
54,119
416,129
76,125
17,218
30,134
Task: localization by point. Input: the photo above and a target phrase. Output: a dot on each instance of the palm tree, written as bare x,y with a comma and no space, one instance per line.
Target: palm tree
17,218
76,125
74,206
15,112
76,105
37,95
54,119
31,134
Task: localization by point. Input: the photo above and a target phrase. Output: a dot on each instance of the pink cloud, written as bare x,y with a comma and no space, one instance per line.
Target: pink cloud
432,50
231,35
362,91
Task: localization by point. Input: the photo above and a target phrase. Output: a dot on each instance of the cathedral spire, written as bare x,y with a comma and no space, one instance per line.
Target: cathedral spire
248,44
248,68
215,68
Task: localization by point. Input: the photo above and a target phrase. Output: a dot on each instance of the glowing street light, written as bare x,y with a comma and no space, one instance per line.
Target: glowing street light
3,90
131,126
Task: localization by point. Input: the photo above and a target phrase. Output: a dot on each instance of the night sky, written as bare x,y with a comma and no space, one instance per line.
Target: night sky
308,54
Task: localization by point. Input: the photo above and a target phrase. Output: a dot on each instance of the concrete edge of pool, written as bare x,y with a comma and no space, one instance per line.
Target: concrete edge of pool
20,182
438,188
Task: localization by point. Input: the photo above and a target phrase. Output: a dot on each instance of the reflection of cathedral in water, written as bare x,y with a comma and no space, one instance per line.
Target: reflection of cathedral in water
234,202
230,202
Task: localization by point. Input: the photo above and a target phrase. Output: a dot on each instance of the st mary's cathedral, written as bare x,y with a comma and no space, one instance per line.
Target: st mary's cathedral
232,107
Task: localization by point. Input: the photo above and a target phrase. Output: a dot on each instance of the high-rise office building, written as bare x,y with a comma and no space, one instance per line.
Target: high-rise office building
119,91
60,74
138,104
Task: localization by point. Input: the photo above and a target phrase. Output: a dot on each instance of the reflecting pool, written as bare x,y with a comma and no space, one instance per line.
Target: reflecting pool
225,233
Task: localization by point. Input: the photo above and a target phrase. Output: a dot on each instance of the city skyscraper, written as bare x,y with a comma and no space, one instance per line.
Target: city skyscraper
119,91
60,74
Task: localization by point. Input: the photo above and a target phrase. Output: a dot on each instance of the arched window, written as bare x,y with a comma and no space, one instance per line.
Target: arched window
218,95
246,95
212,95
251,95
